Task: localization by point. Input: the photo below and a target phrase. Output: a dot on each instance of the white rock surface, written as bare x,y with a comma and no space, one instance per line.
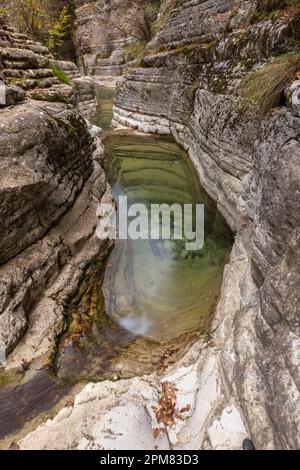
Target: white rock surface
228,431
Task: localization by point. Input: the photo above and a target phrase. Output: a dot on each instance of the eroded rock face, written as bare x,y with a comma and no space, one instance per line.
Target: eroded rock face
188,84
103,30
49,188
42,170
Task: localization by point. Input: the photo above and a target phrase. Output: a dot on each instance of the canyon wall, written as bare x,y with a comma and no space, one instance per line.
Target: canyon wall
189,84
103,30
50,185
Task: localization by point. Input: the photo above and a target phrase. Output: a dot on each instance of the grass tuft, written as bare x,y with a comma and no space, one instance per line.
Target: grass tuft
262,90
59,73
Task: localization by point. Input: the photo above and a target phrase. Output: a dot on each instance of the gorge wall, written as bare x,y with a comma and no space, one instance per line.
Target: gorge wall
189,84
49,188
103,30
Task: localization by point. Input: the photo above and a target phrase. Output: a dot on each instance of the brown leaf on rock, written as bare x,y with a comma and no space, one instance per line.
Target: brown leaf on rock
165,410
186,409
158,431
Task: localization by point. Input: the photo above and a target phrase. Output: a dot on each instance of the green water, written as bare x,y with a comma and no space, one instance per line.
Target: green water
154,297
157,288
105,100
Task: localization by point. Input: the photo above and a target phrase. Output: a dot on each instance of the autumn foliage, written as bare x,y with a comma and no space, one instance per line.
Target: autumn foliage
166,411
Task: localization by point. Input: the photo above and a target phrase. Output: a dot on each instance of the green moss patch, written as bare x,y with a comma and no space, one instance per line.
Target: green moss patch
59,73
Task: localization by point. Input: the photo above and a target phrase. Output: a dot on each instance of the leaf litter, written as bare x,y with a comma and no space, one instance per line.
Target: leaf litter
166,411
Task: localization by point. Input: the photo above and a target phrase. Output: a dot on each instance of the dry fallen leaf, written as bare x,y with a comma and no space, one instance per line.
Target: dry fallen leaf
166,411
186,409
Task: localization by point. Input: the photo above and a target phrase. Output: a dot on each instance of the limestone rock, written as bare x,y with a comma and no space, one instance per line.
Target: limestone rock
103,30
189,83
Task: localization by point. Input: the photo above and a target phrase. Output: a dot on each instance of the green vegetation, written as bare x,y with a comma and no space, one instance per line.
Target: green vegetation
59,31
263,89
59,73
48,21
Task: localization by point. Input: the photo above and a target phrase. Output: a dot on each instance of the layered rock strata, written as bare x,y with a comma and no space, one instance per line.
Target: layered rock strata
189,85
103,30
51,182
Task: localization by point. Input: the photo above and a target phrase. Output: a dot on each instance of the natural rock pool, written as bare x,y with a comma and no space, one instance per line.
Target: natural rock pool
153,295
157,288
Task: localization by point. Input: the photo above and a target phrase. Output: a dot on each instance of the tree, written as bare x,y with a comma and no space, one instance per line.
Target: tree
59,31
31,16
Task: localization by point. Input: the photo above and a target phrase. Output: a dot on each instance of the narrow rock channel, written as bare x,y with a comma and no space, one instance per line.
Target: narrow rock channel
141,343
153,299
